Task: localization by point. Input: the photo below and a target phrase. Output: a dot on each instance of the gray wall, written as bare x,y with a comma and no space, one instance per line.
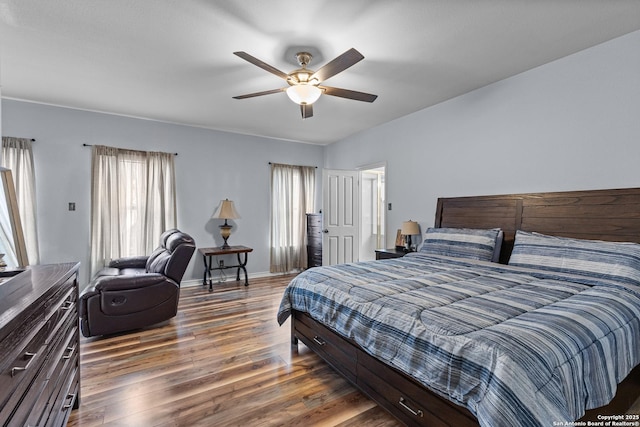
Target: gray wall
210,166
568,125
571,124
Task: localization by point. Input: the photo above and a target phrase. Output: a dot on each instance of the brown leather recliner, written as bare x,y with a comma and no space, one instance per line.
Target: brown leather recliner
135,292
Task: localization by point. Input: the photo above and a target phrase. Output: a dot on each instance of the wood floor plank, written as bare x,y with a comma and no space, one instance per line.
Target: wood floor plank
222,361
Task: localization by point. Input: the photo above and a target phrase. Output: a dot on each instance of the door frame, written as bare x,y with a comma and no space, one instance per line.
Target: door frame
358,196
361,169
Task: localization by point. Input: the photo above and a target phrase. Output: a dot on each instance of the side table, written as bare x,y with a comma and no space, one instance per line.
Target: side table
208,253
390,253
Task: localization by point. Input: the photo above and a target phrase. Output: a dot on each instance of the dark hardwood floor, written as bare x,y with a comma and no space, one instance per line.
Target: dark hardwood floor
223,361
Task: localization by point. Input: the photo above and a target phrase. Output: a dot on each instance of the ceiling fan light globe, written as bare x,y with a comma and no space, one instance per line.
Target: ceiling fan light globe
304,94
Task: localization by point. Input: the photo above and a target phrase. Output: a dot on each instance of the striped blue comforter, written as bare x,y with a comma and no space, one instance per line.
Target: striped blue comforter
516,346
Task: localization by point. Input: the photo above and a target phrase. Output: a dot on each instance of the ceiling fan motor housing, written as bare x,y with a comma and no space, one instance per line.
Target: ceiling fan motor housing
304,58
301,75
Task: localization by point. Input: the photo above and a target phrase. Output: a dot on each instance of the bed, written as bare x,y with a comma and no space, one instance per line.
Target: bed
547,335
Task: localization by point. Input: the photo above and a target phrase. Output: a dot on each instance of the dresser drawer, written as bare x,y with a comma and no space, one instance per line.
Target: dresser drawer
62,384
67,399
326,344
24,337
21,371
314,253
389,253
314,240
27,383
61,309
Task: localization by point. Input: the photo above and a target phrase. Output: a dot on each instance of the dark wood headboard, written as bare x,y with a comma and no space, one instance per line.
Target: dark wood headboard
595,214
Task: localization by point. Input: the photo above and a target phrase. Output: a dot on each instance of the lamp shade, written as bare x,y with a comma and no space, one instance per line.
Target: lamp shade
226,210
304,93
409,228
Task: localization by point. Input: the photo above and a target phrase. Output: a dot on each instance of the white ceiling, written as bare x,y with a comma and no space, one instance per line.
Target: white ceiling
172,60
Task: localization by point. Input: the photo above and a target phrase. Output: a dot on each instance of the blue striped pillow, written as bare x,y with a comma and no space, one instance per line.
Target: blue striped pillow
461,242
619,261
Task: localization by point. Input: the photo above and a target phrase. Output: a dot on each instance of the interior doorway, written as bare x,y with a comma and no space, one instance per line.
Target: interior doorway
372,211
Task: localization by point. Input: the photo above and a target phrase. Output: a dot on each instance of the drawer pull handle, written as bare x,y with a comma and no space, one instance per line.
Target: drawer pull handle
26,356
414,412
72,397
319,340
71,350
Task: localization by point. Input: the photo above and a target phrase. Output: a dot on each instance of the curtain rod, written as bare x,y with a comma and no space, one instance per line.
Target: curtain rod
292,165
91,145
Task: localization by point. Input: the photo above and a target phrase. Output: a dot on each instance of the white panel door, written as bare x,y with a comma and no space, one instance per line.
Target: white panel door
341,216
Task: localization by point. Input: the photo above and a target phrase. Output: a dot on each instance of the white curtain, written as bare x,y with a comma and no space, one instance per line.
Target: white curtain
292,197
17,155
132,202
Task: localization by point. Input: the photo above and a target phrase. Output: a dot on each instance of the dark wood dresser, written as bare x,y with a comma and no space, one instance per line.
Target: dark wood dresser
39,346
314,240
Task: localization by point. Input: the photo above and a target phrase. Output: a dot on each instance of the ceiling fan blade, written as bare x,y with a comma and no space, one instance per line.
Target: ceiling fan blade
306,110
339,64
266,92
261,64
349,94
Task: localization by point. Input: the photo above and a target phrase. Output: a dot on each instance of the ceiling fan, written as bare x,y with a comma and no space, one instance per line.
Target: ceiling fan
304,84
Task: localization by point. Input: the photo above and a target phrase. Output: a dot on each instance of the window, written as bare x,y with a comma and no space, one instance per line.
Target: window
292,197
132,202
17,155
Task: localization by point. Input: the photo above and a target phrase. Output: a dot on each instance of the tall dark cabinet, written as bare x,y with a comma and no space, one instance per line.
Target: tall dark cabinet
314,240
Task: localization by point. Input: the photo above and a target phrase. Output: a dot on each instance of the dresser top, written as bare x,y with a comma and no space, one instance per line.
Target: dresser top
20,291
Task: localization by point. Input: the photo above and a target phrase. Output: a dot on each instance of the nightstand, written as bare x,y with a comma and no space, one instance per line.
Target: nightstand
389,253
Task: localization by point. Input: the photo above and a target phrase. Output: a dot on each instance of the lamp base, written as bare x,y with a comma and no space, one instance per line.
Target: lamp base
407,247
225,232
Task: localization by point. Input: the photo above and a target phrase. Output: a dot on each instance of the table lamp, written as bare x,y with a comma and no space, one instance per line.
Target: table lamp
226,210
409,228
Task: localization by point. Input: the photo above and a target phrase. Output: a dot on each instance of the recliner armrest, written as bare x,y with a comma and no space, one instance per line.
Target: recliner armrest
129,262
128,282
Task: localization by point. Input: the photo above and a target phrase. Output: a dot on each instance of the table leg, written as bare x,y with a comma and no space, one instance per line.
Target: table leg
242,265
204,274
207,272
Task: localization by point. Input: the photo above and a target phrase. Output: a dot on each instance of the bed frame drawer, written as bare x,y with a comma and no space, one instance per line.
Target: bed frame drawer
409,411
402,396
406,399
327,344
